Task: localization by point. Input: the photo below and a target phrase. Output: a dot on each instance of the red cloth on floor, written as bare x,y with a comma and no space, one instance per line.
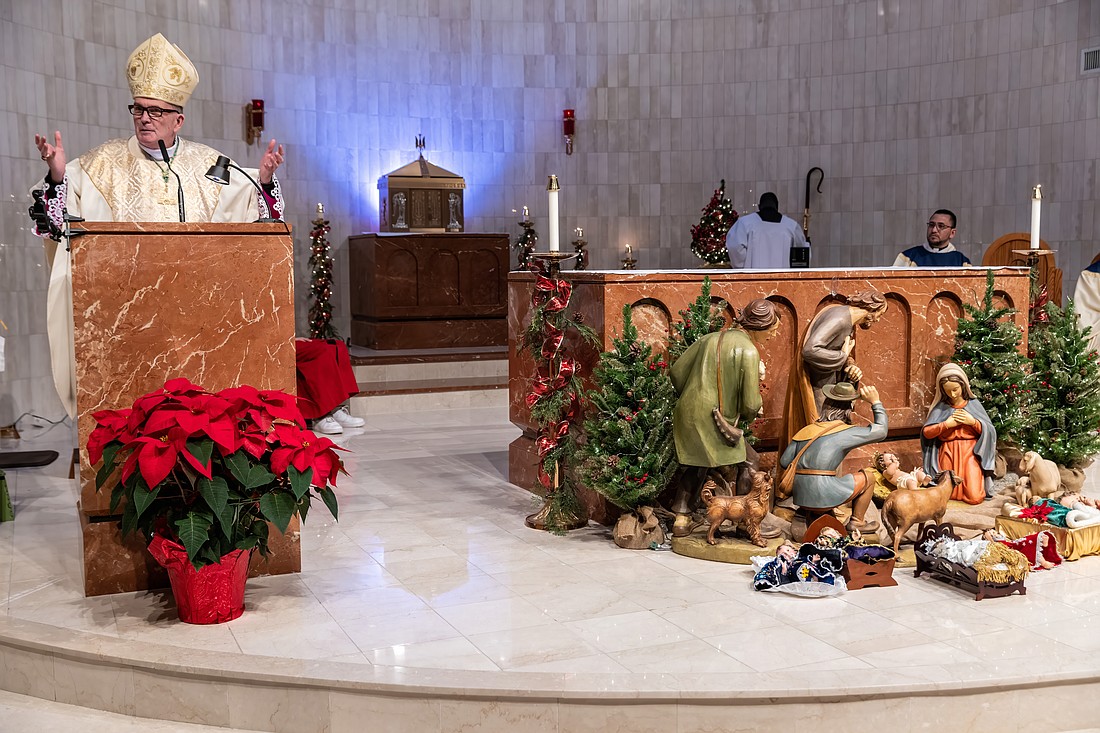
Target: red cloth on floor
325,376
1029,546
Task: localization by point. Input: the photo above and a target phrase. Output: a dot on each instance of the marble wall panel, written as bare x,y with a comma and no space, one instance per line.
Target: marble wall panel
907,106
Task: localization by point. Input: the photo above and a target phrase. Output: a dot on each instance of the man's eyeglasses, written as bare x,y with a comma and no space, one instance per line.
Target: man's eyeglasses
154,113
938,225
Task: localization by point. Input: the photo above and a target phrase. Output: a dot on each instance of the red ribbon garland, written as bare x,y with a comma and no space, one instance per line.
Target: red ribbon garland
544,385
551,295
554,293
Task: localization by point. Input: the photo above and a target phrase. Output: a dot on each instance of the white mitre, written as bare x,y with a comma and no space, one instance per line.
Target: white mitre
158,69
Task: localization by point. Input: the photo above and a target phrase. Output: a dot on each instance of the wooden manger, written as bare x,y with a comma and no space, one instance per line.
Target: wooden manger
955,574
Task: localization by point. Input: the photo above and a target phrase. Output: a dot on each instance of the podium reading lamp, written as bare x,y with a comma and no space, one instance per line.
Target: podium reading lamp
219,173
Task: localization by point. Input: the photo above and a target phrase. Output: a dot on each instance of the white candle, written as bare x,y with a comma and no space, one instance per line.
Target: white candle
1036,213
552,187
629,252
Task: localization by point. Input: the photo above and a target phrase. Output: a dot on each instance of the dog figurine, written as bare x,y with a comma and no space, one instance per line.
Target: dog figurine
747,511
1039,478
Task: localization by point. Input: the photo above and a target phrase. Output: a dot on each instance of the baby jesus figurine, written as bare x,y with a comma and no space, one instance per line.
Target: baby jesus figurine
890,468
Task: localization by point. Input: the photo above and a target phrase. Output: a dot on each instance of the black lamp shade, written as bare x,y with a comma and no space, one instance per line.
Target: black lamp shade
219,172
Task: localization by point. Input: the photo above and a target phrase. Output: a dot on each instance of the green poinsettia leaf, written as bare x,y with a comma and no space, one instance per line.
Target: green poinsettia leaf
116,496
128,523
227,517
278,507
209,556
299,481
194,531
248,543
108,466
239,465
303,507
329,497
258,476
215,492
201,449
142,500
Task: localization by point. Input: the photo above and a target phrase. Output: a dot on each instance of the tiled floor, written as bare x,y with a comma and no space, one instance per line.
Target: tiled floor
431,566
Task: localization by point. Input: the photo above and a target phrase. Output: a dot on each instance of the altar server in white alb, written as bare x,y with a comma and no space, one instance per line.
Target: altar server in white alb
1086,300
128,180
763,240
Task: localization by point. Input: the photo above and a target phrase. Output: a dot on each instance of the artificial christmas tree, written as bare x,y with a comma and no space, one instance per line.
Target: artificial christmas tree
629,456
320,283
708,237
701,317
987,347
1067,396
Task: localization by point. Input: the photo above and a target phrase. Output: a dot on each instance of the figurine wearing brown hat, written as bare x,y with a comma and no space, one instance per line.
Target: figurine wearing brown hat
811,460
129,180
825,357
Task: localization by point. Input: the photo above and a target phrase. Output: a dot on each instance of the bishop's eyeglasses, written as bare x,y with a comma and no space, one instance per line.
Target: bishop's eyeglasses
154,113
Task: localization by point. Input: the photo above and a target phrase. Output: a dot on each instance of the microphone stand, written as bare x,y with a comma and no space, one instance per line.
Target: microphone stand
264,219
179,183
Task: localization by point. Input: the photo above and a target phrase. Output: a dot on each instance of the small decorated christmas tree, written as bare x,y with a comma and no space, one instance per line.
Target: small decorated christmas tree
320,283
629,456
1067,396
708,237
987,346
701,317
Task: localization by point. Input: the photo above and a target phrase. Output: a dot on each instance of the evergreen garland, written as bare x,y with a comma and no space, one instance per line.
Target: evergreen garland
987,346
701,317
554,398
1066,428
629,456
708,237
320,284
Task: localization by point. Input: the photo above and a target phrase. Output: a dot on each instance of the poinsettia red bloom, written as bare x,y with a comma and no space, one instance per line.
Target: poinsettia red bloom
155,458
253,440
110,425
303,450
265,406
208,415
173,433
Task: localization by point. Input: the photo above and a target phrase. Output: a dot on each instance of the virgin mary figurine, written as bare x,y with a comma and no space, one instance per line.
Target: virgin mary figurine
959,436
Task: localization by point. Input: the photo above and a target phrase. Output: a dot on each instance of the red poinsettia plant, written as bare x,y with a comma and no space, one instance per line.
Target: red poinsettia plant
210,470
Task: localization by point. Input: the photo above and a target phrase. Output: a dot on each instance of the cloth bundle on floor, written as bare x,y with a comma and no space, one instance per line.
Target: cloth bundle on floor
325,376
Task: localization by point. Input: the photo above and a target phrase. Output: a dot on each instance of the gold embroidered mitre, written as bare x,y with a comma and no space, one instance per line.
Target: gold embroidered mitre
160,70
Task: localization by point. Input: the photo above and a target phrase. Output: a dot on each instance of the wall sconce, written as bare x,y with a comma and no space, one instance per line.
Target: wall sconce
254,120
568,127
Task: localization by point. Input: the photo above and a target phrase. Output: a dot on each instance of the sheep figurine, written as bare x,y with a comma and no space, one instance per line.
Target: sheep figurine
1039,478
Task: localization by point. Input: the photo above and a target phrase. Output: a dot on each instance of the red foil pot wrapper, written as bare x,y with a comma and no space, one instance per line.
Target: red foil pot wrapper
213,594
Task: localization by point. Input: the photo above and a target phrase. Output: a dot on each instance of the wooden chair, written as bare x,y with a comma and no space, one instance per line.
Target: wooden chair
1001,253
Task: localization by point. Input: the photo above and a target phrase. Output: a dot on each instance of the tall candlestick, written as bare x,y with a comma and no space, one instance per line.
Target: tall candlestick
1036,213
553,188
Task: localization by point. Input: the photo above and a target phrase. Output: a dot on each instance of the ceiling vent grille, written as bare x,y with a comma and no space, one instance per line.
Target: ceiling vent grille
1090,60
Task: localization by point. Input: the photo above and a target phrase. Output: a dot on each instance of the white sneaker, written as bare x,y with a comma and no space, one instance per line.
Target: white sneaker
327,426
346,419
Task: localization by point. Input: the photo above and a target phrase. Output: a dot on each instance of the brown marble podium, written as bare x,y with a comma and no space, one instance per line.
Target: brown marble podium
153,301
899,355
